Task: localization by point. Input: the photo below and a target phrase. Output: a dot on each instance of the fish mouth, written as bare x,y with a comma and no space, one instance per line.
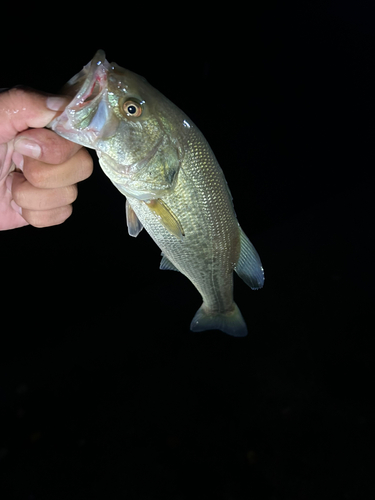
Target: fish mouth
88,83
88,117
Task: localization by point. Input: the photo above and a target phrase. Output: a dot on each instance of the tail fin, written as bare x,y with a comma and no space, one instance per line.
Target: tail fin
231,322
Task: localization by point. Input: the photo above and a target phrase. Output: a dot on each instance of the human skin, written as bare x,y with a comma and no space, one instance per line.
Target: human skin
39,170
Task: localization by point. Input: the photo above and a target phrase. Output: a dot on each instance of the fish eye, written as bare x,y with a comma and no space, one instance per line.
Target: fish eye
132,108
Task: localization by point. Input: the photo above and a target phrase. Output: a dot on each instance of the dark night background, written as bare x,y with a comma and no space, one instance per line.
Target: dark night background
104,391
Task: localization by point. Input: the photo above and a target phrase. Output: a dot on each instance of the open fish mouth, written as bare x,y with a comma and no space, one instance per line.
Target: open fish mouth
88,83
88,117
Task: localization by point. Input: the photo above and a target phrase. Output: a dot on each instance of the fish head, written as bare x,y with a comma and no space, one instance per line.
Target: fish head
135,130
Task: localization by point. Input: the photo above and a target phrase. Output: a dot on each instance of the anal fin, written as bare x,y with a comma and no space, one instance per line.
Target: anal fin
249,266
166,264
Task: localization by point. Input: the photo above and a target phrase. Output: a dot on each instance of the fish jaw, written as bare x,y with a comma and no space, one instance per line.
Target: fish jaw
88,118
93,119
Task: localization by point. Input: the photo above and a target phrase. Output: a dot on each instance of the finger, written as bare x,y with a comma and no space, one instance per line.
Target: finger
22,108
45,145
10,218
47,218
29,197
75,169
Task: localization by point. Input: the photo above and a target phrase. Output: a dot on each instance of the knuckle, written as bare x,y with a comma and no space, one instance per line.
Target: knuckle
17,94
19,97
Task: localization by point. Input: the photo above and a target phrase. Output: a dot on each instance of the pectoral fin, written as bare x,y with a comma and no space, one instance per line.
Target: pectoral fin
249,267
167,217
134,224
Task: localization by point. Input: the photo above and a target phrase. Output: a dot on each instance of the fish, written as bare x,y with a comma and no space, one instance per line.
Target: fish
174,187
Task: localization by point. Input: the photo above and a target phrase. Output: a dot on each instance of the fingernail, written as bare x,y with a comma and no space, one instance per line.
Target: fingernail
15,207
9,182
57,103
27,147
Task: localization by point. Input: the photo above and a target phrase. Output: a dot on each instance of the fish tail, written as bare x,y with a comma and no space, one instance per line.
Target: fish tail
230,322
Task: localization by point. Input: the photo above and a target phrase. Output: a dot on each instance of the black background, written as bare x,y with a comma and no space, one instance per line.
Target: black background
104,391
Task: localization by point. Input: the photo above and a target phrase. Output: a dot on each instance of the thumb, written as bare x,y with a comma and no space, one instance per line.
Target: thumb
22,108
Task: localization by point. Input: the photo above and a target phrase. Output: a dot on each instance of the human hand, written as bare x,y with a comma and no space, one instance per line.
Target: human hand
39,170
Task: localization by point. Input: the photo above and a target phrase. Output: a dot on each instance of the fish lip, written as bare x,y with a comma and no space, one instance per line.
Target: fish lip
95,72
99,58
88,89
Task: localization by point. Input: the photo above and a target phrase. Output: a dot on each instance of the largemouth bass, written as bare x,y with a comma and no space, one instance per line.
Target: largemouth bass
174,187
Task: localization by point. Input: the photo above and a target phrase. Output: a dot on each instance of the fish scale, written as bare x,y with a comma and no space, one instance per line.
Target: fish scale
211,243
174,186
